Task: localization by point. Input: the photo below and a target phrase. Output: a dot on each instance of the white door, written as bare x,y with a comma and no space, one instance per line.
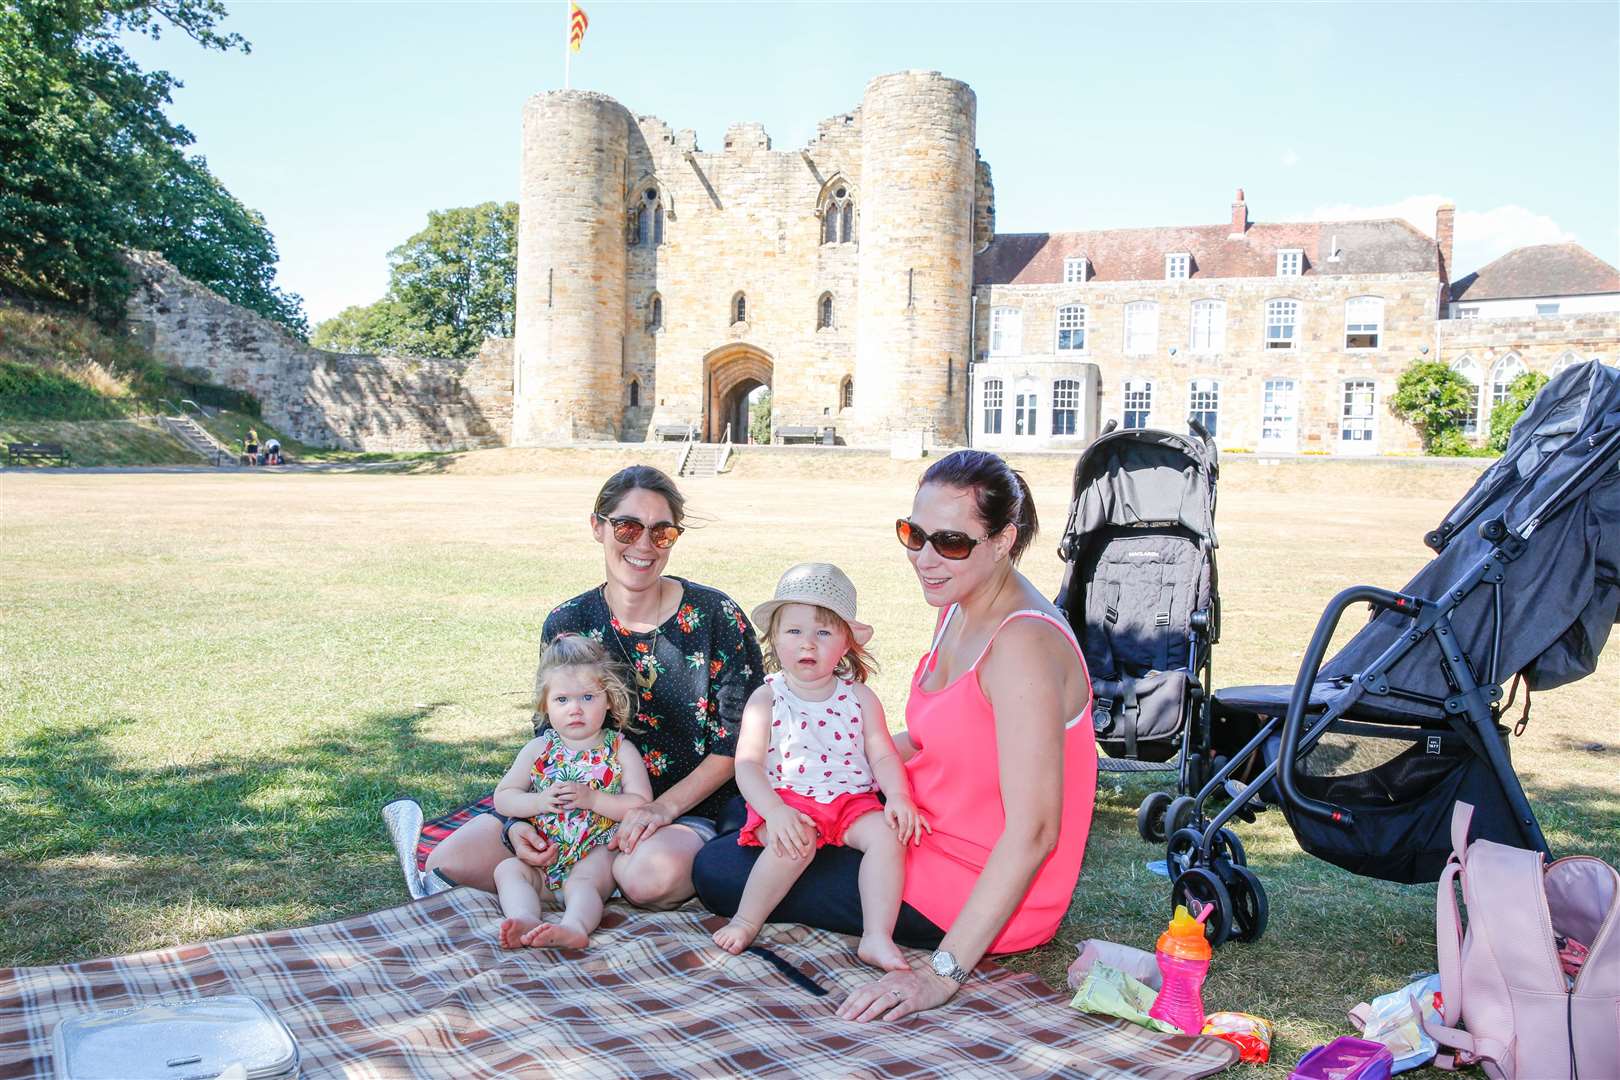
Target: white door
1279,416
1026,415
1358,419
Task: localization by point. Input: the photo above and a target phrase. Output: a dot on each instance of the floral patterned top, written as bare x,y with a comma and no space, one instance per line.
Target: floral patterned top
693,674
576,831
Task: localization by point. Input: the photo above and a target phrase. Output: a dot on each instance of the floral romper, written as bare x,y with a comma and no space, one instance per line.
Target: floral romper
576,831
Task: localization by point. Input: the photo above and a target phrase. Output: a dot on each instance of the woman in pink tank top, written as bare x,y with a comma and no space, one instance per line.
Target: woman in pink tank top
999,745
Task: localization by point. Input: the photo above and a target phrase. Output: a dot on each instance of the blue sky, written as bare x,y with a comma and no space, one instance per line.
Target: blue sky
348,122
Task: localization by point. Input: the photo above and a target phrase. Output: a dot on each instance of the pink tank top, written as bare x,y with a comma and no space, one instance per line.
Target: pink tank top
956,784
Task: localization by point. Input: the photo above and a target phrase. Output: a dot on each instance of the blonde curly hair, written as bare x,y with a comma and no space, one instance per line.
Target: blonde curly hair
578,651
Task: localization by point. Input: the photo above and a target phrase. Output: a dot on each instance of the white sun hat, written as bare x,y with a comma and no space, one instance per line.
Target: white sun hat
818,583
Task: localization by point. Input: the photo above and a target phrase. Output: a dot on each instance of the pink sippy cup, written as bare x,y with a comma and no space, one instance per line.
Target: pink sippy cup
1183,956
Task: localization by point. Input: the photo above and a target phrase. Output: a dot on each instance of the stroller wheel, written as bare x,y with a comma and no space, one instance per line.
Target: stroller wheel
1150,817
1182,851
1205,886
1179,814
1249,908
1228,846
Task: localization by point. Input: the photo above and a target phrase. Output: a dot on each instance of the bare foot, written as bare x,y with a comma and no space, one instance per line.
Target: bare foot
736,936
556,936
882,952
512,931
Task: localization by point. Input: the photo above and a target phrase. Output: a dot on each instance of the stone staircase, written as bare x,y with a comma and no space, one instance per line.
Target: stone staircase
196,438
704,459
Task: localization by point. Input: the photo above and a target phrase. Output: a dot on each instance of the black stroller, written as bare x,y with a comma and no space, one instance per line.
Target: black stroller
1366,754
1140,592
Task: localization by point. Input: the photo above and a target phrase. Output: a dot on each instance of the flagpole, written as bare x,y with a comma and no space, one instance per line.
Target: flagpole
568,42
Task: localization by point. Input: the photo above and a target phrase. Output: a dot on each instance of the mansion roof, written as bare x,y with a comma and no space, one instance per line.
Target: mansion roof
1539,270
1363,247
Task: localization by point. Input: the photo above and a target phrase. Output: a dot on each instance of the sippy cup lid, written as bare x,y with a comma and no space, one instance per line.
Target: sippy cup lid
1184,937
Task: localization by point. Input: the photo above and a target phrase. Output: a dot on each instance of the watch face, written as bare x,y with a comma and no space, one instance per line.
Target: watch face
944,963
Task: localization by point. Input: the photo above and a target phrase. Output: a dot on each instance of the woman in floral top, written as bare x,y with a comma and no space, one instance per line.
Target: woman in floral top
695,661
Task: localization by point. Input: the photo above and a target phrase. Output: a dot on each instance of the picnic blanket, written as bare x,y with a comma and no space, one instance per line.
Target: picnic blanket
425,990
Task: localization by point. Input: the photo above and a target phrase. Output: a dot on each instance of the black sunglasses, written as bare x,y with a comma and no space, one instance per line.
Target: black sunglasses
948,542
627,530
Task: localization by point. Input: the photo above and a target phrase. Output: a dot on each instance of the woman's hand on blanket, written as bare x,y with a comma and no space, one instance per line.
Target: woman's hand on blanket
639,824
901,814
897,994
530,846
574,796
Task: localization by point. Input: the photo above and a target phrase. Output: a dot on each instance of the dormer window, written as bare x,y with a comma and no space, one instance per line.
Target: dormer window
1075,270
1177,266
1290,262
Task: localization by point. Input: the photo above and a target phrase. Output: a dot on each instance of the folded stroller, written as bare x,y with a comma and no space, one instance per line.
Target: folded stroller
1140,592
1366,754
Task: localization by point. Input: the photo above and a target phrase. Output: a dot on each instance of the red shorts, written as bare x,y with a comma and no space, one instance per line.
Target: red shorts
832,819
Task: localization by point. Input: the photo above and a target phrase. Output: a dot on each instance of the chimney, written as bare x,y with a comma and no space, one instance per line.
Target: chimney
1240,217
1443,221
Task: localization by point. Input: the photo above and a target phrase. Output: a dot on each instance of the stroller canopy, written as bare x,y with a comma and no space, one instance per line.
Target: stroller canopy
1142,476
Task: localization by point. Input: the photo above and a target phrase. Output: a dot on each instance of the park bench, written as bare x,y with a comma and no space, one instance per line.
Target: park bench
826,436
674,432
36,451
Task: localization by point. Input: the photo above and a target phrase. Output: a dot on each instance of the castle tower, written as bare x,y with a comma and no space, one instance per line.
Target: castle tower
571,269
918,174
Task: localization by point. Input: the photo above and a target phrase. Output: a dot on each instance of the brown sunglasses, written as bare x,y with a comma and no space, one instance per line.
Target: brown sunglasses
948,542
627,530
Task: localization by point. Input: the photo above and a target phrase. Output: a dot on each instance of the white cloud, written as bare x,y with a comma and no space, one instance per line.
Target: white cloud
1290,158
1481,235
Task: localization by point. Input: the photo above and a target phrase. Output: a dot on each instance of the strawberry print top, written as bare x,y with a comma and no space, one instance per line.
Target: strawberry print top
818,748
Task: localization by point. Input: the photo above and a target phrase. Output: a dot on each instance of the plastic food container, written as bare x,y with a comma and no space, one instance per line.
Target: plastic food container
1345,1059
176,1040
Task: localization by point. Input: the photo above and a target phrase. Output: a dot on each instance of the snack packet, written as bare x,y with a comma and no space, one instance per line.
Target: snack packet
1250,1034
1389,1019
1111,992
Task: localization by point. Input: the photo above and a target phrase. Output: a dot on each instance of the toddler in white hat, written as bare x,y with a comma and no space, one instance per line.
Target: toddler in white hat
812,753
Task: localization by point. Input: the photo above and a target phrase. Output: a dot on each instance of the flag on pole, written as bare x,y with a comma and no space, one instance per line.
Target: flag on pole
577,22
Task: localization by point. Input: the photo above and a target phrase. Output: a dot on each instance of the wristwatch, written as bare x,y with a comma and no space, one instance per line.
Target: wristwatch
945,966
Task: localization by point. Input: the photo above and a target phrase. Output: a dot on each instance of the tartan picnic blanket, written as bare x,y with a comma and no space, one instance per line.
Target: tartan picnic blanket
425,990
434,832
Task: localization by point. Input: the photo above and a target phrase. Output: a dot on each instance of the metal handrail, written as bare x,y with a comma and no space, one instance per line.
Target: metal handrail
724,454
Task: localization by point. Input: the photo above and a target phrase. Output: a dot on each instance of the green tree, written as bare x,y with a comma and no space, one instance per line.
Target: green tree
1434,399
90,164
1506,413
450,286
759,419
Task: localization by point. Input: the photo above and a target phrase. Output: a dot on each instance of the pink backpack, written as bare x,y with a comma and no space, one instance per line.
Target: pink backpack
1505,976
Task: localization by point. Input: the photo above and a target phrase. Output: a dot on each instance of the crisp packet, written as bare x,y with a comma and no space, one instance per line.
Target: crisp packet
1111,992
1250,1034
1389,1019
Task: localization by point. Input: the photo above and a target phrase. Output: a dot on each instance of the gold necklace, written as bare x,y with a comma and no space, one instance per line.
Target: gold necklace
644,670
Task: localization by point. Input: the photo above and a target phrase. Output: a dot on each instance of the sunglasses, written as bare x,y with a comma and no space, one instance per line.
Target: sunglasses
949,543
627,530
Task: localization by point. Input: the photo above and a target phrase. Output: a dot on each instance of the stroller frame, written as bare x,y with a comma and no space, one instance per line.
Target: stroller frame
1206,862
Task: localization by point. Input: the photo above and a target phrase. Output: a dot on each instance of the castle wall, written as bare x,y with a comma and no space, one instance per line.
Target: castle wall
381,403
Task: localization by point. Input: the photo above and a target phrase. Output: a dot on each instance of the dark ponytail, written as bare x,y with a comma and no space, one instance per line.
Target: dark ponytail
1001,496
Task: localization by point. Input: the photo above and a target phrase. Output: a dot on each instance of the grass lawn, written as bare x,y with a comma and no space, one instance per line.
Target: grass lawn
210,682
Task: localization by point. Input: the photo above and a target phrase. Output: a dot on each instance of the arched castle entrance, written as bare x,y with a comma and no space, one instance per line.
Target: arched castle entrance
730,374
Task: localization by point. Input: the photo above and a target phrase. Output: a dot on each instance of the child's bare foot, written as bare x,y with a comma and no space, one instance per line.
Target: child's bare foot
882,952
736,936
556,936
512,931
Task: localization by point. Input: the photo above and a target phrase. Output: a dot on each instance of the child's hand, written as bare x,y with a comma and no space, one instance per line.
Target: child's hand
903,818
572,796
549,800
792,834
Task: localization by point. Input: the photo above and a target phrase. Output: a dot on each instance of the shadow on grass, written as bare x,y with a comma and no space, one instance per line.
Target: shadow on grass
98,844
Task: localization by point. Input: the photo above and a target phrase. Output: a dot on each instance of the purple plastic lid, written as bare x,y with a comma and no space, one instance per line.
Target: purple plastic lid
1345,1058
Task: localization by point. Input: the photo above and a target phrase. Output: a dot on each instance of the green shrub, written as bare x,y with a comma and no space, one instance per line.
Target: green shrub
35,393
1434,399
1504,415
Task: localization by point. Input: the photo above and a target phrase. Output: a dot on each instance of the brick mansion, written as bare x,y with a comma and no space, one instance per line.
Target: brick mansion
861,278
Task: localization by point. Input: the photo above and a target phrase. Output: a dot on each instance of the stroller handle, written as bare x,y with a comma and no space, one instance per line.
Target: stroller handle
1294,724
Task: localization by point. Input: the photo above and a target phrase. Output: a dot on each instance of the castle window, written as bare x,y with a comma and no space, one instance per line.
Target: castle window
1510,367
1074,270
1141,328
739,308
635,393
1363,322
1471,312
1357,416
638,227
1006,331
838,215
1071,328
992,406
846,393
1546,309
1470,371
1177,267
1568,360
1282,319
1279,415
1065,406
1204,403
658,226
824,312
1290,262
829,232
655,313
1208,326
1138,403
